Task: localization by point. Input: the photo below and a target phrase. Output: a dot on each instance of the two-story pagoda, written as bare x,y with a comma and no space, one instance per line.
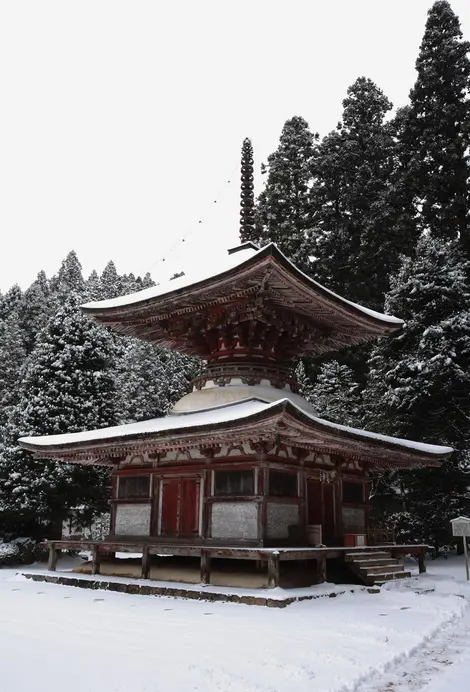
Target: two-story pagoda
242,460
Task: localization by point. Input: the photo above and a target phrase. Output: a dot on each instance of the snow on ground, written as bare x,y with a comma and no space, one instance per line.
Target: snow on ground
56,637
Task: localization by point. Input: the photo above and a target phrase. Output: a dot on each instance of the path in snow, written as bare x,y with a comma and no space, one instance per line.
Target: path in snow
415,672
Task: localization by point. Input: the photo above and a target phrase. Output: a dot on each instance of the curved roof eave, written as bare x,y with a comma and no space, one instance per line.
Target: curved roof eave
176,287
224,417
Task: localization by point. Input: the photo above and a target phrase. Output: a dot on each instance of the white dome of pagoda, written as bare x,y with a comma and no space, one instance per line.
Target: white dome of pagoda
214,396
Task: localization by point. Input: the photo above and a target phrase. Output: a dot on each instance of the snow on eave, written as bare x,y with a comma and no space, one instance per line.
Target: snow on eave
237,260
188,279
242,412
171,423
437,450
390,319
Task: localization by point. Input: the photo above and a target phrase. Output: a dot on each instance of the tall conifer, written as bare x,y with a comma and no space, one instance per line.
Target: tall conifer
283,209
434,140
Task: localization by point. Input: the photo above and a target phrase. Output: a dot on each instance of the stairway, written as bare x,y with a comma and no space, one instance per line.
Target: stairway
375,567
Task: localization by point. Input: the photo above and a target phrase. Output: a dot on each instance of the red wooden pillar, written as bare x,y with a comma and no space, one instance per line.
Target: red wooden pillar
339,505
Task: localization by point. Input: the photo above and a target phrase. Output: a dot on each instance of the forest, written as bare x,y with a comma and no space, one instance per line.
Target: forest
378,211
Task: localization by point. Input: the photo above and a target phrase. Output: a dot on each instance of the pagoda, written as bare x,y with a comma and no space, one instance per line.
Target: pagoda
243,459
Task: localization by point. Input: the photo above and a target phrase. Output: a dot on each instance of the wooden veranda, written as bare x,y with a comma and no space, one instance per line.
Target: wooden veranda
271,557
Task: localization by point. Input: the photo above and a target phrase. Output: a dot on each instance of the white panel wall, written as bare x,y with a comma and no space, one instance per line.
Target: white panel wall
132,520
279,517
235,520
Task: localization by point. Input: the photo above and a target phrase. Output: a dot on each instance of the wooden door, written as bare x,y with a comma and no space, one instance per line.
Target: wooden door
180,507
329,513
189,507
170,507
314,502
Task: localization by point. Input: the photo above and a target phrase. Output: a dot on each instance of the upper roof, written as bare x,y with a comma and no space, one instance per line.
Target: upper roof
243,272
249,419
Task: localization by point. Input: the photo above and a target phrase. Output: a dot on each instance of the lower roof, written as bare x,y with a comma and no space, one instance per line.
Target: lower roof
243,420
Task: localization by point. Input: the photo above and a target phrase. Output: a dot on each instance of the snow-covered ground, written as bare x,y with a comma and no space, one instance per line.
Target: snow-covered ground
413,635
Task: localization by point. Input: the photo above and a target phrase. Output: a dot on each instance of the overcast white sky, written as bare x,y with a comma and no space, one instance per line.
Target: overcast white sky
121,122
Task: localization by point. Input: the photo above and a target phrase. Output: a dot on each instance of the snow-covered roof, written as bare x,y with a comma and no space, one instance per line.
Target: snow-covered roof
194,275
241,412
198,274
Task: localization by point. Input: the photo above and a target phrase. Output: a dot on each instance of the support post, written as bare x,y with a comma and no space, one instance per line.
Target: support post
321,568
273,570
95,560
465,550
145,563
422,561
53,557
205,567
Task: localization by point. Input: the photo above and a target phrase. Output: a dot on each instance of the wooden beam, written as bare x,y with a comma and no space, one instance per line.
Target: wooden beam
205,567
273,570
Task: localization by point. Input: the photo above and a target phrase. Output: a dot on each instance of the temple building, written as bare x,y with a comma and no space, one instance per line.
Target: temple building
242,460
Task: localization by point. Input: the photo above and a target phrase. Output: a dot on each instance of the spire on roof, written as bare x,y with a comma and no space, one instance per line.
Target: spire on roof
247,197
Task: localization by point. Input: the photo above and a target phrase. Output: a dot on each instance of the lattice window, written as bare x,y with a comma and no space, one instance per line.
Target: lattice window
283,484
133,487
234,483
353,493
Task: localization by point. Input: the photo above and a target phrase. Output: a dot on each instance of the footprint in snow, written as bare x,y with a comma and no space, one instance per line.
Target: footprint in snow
16,589
95,600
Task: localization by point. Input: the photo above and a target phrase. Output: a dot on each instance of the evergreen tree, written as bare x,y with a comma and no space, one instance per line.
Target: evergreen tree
111,282
12,357
10,301
93,286
306,387
69,279
147,281
68,386
355,244
150,380
420,382
435,134
283,210
336,394
34,310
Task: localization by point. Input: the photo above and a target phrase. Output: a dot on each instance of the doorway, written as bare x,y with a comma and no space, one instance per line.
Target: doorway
321,508
180,507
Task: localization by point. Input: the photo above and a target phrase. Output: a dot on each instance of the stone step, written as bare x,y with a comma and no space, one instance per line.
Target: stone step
382,569
350,557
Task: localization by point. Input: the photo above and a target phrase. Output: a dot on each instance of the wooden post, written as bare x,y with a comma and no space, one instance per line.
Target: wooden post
422,561
205,567
273,569
466,555
53,557
321,568
145,563
95,560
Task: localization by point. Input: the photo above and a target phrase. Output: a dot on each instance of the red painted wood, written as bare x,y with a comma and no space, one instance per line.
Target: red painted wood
329,517
314,502
170,502
189,507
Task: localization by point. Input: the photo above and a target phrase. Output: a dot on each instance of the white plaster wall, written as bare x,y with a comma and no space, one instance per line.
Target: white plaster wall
235,520
133,520
354,518
279,517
